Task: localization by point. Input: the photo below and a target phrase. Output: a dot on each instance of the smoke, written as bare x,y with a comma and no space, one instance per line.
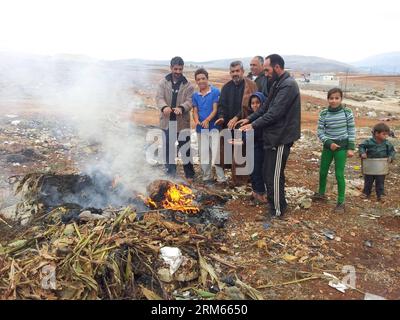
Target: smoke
97,99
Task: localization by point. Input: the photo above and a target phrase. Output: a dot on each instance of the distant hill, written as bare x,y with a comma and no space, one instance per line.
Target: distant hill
295,62
28,75
385,63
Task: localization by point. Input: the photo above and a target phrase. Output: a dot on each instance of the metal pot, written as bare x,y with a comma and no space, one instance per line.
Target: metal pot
375,166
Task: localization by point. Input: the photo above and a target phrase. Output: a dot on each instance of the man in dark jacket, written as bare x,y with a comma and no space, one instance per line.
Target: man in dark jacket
234,99
257,74
233,106
280,119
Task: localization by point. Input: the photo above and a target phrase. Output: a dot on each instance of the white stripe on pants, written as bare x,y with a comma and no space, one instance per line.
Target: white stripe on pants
278,165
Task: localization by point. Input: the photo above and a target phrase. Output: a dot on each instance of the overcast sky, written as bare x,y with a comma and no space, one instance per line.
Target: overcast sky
345,30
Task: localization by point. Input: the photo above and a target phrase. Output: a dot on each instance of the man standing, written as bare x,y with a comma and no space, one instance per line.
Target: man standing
235,94
280,120
257,74
233,106
174,99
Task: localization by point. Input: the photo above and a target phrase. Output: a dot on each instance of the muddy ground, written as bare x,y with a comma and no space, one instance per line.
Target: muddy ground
272,255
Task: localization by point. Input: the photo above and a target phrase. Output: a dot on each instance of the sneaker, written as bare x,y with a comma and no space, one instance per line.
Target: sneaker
381,199
319,197
340,208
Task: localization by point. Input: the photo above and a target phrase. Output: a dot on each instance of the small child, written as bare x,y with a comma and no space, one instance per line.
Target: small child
257,180
376,147
336,130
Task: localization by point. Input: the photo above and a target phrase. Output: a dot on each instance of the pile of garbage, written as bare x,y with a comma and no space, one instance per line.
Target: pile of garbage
120,258
112,253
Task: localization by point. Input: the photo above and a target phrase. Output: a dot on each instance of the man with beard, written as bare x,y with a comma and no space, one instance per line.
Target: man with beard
234,103
234,99
279,118
174,100
257,74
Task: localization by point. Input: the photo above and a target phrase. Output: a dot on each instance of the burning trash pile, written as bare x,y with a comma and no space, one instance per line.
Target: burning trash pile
143,248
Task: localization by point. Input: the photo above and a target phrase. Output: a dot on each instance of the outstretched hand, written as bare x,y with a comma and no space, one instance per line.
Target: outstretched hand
219,121
246,127
242,122
232,124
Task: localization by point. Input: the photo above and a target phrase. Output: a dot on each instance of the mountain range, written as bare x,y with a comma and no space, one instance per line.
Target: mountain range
385,63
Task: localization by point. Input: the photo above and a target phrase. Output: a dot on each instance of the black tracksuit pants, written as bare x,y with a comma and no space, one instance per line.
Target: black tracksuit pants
274,176
379,184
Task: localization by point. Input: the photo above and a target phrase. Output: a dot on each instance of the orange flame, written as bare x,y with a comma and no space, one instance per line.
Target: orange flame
148,201
180,198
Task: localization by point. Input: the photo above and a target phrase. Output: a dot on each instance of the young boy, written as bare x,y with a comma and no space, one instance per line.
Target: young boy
205,103
376,147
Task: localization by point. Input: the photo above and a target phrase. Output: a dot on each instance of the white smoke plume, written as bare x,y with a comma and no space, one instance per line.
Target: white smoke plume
97,98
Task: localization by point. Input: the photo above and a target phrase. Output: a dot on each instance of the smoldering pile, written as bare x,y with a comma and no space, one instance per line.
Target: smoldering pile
113,257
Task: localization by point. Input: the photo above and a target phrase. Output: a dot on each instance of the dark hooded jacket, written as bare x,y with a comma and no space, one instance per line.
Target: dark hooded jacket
279,117
373,149
258,133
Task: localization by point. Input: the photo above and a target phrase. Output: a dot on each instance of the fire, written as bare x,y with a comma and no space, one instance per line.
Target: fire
180,198
148,201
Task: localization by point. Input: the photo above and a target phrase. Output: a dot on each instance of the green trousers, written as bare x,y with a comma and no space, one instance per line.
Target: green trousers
340,157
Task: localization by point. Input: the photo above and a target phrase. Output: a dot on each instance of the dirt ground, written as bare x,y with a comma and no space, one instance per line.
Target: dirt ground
272,255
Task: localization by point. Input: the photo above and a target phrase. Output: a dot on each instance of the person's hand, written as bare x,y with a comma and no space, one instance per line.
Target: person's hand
246,127
205,124
334,146
350,153
242,122
197,122
178,111
219,121
232,123
167,111
363,156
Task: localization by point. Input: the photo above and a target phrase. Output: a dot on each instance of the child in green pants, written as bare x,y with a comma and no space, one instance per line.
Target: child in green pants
336,130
